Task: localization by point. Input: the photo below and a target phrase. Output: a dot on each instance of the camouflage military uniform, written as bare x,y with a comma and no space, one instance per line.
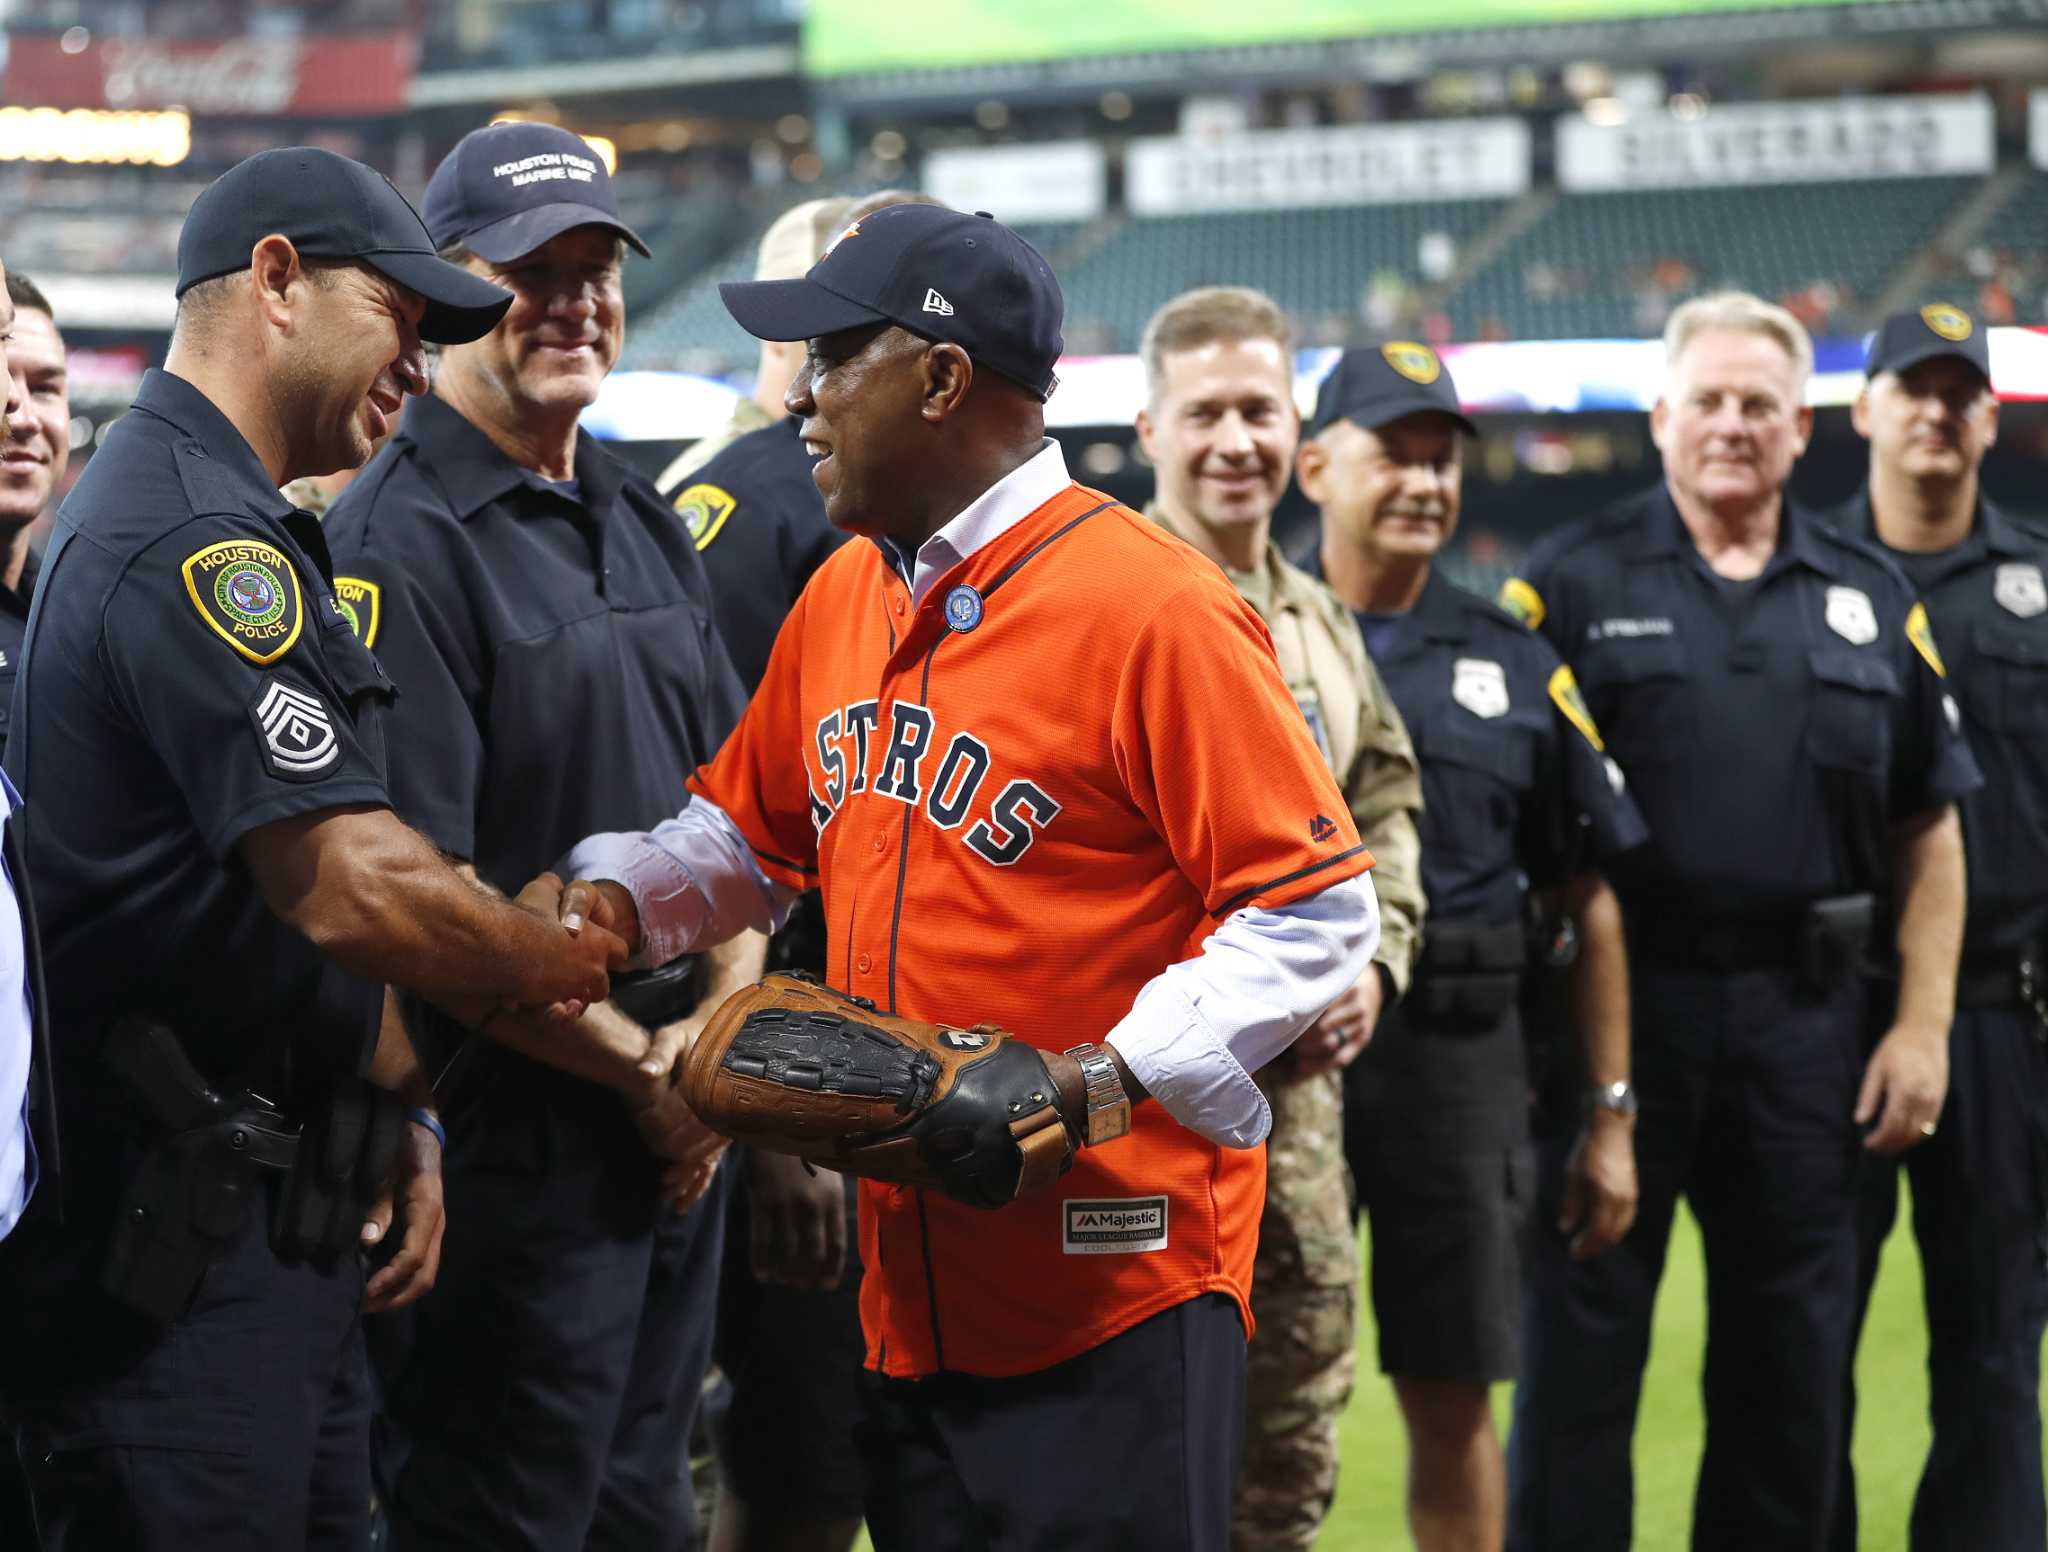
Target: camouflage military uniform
1305,1280
746,416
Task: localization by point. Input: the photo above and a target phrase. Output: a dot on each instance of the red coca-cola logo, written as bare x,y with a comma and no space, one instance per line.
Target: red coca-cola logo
227,77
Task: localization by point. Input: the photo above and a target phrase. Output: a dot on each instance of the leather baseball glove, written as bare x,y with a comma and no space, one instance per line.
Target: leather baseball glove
795,1067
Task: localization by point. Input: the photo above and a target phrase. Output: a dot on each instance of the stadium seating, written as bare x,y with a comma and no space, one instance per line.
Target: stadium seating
1319,264
1608,265
2006,266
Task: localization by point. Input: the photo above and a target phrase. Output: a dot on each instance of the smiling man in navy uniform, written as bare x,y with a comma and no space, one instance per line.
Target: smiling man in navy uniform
550,630
223,887
1517,796
1775,698
1980,1184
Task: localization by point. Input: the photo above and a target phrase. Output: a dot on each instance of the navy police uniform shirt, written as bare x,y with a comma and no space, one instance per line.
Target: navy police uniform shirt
1517,793
555,646
1772,729
1988,600
188,676
760,528
14,604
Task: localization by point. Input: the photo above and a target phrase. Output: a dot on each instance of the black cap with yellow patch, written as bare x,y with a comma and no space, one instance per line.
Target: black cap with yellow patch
1938,329
1372,385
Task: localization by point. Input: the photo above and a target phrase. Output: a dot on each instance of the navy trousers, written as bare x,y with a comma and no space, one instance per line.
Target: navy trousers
1980,1214
1131,1447
1747,1084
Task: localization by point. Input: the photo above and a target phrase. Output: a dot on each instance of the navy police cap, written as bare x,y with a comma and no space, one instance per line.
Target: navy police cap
330,207
507,188
1938,329
1372,385
941,274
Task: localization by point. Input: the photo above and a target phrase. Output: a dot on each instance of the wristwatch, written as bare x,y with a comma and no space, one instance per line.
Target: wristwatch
1618,1097
1109,1107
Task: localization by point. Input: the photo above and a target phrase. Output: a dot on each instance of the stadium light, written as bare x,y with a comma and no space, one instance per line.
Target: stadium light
92,135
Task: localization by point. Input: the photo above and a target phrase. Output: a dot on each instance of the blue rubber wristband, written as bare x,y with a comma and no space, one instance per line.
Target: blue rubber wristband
432,1123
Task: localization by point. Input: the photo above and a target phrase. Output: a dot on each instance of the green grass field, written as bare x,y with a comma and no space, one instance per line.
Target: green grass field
1891,1441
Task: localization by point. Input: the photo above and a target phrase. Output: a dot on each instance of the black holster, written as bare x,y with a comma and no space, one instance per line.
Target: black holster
652,998
1469,976
1834,940
207,1155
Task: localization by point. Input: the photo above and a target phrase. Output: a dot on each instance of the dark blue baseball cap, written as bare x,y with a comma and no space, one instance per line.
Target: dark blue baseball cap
1373,385
507,188
942,274
330,207
1938,329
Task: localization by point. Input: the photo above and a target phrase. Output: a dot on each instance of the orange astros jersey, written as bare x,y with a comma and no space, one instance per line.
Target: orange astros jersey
1022,800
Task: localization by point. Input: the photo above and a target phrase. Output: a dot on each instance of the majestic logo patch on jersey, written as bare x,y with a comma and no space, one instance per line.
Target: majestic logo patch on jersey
1564,694
1115,1228
295,730
1321,828
963,608
934,303
704,509
1417,363
362,605
1921,634
1522,601
1850,615
248,595
1480,685
2019,589
1951,323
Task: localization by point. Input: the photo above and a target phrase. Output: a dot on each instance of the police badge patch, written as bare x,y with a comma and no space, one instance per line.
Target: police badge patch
248,595
1951,323
1921,634
1564,694
1480,686
1851,616
2019,589
704,509
362,605
1417,363
295,730
1522,601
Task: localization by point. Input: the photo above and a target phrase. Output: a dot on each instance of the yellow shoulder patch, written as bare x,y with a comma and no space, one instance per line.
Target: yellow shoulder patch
704,509
1921,634
1564,693
362,605
1523,602
248,595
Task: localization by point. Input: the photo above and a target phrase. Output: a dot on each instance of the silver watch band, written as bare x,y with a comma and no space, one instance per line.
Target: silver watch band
1109,1107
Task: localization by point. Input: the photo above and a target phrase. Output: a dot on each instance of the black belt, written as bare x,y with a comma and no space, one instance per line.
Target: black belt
1468,977
1770,939
2004,978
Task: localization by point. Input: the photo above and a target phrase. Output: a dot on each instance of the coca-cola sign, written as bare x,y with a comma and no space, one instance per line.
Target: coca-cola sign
233,77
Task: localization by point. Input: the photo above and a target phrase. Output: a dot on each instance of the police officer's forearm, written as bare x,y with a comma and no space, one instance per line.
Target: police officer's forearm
1927,861
374,896
1599,980
395,1064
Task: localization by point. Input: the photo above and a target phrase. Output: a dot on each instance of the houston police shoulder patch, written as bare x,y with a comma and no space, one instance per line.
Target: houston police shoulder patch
1566,697
248,595
295,730
704,509
1921,634
362,605
1523,602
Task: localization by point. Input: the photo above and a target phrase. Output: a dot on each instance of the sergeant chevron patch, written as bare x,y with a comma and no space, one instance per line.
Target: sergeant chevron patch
295,730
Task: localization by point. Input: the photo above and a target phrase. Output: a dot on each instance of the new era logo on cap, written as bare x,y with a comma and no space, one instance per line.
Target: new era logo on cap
934,303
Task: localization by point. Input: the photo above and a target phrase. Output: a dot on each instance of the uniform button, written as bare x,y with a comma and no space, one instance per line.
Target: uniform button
881,840
899,606
863,964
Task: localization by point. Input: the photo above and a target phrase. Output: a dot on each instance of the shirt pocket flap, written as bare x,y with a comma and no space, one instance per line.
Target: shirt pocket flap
1853,671
2022,648
1505,751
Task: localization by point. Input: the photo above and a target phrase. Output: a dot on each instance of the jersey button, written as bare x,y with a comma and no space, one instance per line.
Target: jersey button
881,840
863,964
899,605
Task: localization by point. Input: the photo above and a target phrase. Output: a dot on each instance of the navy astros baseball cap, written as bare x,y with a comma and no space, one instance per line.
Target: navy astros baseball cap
332,208
942,274
1372,385
506,189
1938,329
